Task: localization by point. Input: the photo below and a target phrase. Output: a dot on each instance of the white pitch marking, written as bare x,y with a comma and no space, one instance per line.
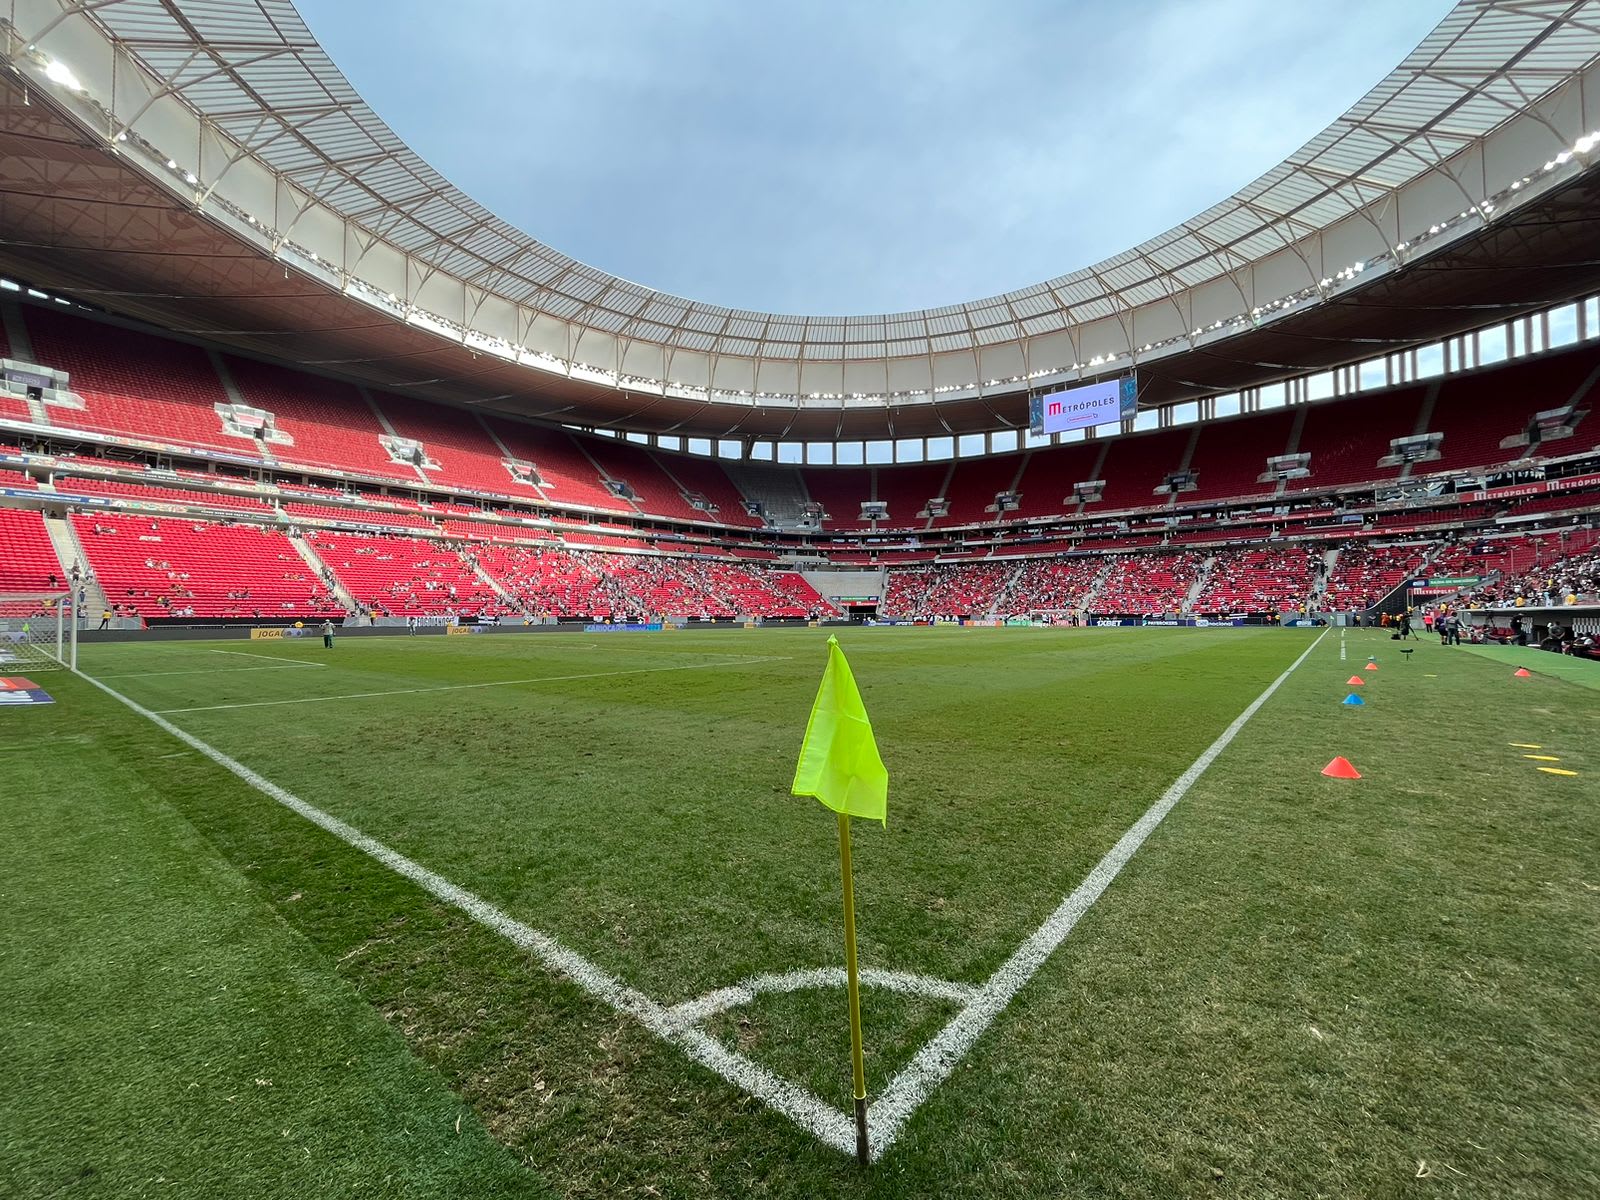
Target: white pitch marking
459,687
801,1106
935,1061
1341,645
701,1009
906,1092
270,657
205,671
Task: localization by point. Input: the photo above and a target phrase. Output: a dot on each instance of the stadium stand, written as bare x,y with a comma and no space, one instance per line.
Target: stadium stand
28,561
1141,584
1347,438
654,490
1135,466
133,384
330,423
1231,454
464,451
570,476
180,567
1365,573
402,576
1277,580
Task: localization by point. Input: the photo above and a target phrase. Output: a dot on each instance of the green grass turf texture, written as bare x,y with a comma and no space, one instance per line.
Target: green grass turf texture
1299,986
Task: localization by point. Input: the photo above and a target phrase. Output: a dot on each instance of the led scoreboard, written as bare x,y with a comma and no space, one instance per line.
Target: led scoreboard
1078,407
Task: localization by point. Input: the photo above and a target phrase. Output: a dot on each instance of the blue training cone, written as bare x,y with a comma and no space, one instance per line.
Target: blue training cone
1352,698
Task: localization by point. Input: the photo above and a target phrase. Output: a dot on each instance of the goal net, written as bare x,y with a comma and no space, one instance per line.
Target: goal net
36,632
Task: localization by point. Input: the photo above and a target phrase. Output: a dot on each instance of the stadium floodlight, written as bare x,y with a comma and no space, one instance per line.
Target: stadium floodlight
57,71
37,632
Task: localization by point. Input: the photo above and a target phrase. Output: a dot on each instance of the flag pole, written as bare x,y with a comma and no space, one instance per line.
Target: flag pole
857,1062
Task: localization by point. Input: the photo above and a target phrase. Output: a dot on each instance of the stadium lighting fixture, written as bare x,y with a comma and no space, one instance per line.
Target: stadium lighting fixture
57,71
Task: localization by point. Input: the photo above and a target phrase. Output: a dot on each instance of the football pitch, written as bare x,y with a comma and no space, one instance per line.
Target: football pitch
536,915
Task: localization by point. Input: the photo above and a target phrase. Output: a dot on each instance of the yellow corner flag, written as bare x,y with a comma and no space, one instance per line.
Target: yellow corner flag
839,762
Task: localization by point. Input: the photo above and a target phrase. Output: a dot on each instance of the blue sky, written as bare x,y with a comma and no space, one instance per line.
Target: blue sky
856,157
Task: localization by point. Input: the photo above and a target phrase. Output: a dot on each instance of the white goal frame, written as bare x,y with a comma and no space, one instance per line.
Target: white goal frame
59,651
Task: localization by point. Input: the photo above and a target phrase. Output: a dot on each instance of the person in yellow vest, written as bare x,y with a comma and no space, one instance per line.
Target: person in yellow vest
105,618
1572,598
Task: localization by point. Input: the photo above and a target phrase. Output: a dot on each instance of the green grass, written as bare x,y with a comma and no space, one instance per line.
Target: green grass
1299,986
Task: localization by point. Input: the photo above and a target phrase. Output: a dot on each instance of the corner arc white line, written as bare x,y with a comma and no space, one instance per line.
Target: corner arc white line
888,1114
702,1008
824,1122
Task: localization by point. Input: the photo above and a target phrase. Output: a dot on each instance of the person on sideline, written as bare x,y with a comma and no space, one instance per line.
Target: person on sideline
327,634
105,618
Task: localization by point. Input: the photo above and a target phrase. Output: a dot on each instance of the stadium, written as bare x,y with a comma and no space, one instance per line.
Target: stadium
410,632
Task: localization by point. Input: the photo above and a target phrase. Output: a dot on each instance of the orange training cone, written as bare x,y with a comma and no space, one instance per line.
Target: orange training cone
1372,666
1355,681
1522,672
1340,768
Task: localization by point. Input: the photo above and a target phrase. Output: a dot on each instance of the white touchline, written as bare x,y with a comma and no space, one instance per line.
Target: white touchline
801,1106
888,1114
459,687
305,662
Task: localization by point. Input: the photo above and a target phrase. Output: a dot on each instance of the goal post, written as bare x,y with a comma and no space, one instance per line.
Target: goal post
37,632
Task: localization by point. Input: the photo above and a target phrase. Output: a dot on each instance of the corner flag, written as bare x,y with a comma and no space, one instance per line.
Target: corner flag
839,765
839,762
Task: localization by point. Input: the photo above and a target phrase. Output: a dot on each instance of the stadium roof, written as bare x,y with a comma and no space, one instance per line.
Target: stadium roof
233,109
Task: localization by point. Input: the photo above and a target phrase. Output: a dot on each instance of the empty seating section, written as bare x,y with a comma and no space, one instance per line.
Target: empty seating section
707,478
1347,438
1476,412
974,486
633,465
133,384
1365,574
145,493
1156,583
11,408
569,476
1231,454
1048,479
357,516
330,422
467,455
1257,581
177,567
840,491
1136,465
403,576
27,557
908,489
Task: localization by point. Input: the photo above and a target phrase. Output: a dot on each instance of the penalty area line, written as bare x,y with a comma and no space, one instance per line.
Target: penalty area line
304,662
932,1065
817,1117
457,687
